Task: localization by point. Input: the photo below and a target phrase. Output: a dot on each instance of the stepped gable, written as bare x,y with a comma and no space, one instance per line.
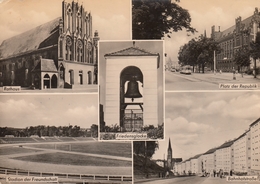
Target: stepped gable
45,65
227,33
132,51
42,36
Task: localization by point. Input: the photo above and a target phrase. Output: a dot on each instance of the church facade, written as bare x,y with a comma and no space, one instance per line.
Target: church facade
61,53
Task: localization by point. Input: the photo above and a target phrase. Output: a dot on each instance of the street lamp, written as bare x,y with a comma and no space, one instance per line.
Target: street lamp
214,62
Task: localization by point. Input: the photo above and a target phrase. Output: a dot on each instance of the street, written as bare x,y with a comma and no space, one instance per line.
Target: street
194,180
206,81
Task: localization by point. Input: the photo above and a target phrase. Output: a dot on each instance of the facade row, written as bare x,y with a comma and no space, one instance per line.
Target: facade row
240,156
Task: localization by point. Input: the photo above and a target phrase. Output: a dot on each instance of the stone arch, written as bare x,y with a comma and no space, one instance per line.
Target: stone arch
54,81
71,73
46,81
89,77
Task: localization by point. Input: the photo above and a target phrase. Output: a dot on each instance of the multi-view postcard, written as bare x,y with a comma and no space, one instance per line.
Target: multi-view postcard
130,91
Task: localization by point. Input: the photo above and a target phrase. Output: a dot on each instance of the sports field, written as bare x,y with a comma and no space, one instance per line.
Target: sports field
90,157
122,149
70,159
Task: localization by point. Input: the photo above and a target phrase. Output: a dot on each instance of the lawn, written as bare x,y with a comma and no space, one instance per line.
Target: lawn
121,149
15,150
70,159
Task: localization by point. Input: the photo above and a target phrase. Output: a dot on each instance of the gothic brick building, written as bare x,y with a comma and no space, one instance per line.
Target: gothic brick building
232,39
61,53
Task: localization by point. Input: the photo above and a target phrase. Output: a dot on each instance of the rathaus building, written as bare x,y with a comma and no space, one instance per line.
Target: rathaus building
61,53
234,38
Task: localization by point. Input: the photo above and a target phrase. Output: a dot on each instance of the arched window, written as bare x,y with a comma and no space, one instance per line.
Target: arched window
89,52
89,77
79,51
80,79
46,81
71,73
68,48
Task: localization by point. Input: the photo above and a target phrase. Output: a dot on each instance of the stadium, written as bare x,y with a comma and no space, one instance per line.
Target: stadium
69,159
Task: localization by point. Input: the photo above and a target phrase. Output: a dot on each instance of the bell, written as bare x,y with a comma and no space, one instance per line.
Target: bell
132,90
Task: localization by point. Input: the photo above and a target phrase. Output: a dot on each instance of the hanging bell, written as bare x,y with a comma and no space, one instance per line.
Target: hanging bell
132,90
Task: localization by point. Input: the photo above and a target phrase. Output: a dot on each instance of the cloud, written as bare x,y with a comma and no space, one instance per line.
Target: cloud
244,106
184,132
16,106
81,116
183,126
18,112
215,107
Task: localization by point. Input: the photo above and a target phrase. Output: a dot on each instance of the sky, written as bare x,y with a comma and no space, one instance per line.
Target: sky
25,110
110,17
199,121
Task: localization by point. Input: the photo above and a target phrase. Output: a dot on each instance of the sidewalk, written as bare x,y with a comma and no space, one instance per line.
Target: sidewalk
230,77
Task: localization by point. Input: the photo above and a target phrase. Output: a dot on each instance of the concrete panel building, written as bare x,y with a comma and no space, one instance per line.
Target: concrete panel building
209,160
224,157
242,153
255,147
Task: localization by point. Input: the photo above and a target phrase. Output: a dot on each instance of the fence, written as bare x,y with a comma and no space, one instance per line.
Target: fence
82,177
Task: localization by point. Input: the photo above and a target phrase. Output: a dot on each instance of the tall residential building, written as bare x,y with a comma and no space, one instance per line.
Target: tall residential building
242,153
224,157
61,53
255,147
234,38
208,159
196,164
188,166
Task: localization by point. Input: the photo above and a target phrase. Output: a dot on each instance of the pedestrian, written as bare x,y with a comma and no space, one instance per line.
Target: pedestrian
231,173
167,174
214,172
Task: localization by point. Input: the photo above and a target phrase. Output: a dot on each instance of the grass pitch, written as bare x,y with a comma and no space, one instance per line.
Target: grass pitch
15,150
70,159
122,149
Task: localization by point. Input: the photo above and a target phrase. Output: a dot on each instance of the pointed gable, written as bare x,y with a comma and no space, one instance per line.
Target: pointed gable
132,51
45,65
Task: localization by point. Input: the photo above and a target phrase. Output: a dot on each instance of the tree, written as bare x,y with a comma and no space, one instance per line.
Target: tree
242,58
254,50
149,149
94,130
198,51
154,19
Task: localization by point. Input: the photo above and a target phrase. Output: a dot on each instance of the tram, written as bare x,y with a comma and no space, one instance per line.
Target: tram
186,70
